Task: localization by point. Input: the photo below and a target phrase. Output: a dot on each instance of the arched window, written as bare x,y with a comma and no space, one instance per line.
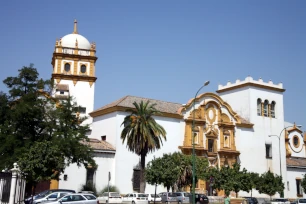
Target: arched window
266,107
259,107
272,109
83,69
67,67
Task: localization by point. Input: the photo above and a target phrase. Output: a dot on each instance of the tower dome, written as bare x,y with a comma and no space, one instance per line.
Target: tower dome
71,40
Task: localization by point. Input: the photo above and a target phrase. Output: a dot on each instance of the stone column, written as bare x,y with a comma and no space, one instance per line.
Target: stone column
15,172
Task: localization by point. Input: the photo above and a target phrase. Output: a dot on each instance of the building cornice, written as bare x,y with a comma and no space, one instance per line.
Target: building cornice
123,109
251,84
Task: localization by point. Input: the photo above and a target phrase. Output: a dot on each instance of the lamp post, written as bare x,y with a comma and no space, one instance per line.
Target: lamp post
193,150
279,141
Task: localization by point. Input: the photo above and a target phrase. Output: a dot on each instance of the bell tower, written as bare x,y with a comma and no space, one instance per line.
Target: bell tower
73,73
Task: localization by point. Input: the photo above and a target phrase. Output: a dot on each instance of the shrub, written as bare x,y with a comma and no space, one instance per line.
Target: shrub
111,189
89,186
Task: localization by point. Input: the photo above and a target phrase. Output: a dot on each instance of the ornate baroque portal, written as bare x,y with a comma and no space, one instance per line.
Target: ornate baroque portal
214,133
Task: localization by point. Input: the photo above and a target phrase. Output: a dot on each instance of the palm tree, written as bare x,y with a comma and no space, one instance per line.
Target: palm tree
142,133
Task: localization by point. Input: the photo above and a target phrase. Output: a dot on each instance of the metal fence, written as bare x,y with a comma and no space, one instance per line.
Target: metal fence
12,188
19,190
5,187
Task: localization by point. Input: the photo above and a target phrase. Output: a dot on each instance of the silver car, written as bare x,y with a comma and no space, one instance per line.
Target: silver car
75,198
50,197
182,197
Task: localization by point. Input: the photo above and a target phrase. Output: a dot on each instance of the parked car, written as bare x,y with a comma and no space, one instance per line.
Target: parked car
299,200
280,201
199,198
51,197
112,197
135,198
251,200
182,197
76,198
44,193
151,197
168,197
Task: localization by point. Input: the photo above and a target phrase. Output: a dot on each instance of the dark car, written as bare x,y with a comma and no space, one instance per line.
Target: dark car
200,198
44,193
251,200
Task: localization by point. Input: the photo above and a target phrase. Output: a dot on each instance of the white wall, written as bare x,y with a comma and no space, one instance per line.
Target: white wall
83,94
105,125
292,174
251,144
110,125
77,175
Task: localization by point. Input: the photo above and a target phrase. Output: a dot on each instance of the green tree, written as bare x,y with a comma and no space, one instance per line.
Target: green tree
254,178
162,170
43,161
230,179
303,183
185,175
29,115
175,168
270,184
142,133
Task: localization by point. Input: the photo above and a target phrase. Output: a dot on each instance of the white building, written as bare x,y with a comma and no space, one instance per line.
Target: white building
243,122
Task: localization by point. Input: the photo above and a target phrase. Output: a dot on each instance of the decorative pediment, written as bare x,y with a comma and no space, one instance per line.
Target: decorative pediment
225,118
212,133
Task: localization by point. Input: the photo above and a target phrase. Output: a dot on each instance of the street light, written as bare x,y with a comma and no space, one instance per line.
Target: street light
193,151
280,158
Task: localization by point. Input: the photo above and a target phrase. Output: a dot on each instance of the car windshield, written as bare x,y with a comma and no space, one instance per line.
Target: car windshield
280,200
302,200
61,195
42,194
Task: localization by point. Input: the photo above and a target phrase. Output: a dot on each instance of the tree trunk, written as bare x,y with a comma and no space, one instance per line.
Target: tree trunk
251,192
236,194
168,188
142,170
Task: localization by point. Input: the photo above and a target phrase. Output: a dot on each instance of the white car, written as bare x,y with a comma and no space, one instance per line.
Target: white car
113,197
135,198
280,201
151,197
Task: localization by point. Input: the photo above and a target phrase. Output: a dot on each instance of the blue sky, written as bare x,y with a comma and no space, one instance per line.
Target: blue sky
166,49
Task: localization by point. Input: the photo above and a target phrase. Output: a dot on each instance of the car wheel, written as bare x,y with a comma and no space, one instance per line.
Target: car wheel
106,202
180,202
198,202
133,202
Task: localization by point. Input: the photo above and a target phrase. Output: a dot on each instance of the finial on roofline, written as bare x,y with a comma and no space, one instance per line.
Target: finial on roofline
75,29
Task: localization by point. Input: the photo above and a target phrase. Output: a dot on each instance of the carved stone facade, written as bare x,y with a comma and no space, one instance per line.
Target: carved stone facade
214,131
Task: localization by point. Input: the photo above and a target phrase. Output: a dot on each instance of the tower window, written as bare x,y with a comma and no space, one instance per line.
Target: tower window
259,106
61,92
67,67
272,109
266,106
83,69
